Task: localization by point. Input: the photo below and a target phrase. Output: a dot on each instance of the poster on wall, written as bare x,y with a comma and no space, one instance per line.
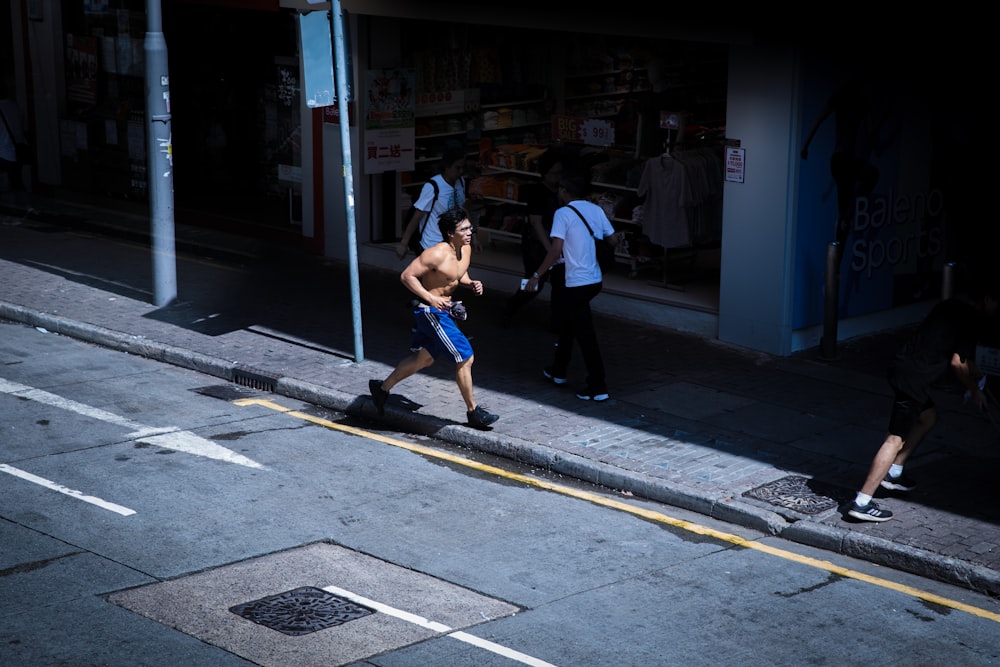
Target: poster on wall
81,69
283,127
389,120
736,159
871,180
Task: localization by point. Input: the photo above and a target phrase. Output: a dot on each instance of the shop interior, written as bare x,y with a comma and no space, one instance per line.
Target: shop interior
647,117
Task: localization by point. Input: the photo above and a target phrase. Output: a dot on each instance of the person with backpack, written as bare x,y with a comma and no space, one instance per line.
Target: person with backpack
441,192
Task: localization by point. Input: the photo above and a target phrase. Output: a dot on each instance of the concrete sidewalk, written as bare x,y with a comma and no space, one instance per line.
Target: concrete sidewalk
777,444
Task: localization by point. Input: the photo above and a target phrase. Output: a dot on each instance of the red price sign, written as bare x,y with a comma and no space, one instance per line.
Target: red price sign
565,128
589,131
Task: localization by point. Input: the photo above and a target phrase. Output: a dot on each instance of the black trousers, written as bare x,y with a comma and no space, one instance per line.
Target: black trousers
576,325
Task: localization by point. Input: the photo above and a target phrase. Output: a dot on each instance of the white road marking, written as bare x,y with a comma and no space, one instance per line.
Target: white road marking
124,511
439,627
169,437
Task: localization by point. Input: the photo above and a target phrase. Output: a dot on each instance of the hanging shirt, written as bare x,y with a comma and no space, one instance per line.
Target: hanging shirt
667,190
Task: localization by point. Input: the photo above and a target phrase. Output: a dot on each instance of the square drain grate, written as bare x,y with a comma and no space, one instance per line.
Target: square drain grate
801,494
254,379
301,611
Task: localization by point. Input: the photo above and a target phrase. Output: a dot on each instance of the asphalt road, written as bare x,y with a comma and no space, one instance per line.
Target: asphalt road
152,515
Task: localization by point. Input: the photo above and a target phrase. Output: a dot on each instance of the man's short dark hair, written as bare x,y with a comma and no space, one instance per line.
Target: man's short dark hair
453,152
576,181
449,220
547,160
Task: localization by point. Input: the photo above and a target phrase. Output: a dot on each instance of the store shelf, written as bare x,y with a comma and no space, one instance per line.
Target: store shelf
505,170
587,75
516,103
457,133
516,126
615,93
613,186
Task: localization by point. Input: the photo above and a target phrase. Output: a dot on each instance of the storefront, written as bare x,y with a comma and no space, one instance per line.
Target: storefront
755,99
507,82
509,93
234,101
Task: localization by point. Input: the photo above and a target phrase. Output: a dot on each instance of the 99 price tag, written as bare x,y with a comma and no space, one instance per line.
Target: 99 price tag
597,132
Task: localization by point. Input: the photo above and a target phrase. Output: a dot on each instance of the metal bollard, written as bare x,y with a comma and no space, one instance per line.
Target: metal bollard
948,280
831,297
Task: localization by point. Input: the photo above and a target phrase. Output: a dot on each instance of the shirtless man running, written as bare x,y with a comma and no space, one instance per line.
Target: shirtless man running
433,276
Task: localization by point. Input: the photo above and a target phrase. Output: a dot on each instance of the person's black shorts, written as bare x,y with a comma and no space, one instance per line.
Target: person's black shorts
905,410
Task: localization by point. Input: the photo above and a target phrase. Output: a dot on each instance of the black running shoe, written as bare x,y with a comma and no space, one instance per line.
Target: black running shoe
901,483
552,376
480,418
869,512
379,395
591,394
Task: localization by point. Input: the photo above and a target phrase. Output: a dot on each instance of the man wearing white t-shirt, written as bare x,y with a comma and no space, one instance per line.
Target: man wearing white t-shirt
430,205
572,241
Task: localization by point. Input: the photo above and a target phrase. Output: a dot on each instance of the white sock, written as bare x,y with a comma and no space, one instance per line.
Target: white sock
862,499
895,470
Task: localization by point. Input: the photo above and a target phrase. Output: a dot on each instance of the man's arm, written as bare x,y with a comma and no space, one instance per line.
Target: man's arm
968,374
412,277
475,285
555,251
535,221
411,228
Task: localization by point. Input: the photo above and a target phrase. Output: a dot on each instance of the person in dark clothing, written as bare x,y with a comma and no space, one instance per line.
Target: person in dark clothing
947,337
542,200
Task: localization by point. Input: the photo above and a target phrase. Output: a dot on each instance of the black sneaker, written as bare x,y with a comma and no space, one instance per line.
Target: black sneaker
901,483
480,418
552,377
589,394
379,395
869,512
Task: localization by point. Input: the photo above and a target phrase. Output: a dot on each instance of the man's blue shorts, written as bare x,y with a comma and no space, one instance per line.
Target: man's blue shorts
437,333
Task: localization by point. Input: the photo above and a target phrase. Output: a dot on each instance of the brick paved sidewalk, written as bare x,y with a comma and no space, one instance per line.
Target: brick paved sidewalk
767,442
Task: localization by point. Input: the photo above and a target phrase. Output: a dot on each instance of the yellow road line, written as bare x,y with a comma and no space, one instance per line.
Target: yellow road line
632,509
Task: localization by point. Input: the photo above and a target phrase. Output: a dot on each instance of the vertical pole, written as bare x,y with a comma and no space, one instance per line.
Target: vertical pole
345,147
831,296
159,159
948,280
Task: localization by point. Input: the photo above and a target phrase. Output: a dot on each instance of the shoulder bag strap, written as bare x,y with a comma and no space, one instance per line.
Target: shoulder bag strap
584,220
423,225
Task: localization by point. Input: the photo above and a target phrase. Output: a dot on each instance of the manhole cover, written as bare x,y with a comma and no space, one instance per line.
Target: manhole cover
301,611
794,492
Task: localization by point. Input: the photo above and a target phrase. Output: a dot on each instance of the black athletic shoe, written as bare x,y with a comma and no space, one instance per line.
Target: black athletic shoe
379,395
869,512
591,394
480,418
901,483
551,376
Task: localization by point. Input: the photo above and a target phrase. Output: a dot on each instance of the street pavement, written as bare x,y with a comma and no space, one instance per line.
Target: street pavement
778,444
